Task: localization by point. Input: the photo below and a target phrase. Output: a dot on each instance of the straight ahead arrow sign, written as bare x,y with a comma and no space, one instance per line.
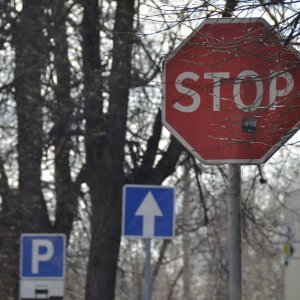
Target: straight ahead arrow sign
149,210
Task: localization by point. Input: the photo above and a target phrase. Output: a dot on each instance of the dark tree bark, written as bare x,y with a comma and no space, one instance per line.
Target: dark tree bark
30,57
229,9
105,163
62,109
94,132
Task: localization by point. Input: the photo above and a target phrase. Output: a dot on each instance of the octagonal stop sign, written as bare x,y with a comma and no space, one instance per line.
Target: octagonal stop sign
232,91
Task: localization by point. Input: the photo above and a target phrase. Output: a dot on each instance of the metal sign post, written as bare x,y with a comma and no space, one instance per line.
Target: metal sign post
148,271
234,232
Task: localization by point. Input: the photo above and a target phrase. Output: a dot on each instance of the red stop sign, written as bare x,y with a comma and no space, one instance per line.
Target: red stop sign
231,91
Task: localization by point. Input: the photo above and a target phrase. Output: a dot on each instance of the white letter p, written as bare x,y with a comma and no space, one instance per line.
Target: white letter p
37,257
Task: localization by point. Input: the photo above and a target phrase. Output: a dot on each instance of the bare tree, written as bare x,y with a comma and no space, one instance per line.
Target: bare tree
80,96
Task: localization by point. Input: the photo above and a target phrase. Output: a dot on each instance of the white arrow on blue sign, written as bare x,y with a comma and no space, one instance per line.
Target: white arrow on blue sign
148,211
42,256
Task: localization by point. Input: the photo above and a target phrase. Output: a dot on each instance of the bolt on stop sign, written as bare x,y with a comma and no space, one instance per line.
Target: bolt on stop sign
232,91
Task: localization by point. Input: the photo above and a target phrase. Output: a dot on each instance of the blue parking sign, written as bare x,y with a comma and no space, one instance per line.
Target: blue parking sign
148,211
42,256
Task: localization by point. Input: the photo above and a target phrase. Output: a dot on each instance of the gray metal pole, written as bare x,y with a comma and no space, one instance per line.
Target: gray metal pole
234,219
186,236
148,270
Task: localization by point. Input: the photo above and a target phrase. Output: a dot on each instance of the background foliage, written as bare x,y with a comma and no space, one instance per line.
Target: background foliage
80,97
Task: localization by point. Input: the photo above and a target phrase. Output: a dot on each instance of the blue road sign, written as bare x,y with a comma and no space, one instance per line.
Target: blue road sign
148,211
42,256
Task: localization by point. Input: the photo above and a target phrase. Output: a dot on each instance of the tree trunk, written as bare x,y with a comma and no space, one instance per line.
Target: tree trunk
30,56
105,164
62,109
